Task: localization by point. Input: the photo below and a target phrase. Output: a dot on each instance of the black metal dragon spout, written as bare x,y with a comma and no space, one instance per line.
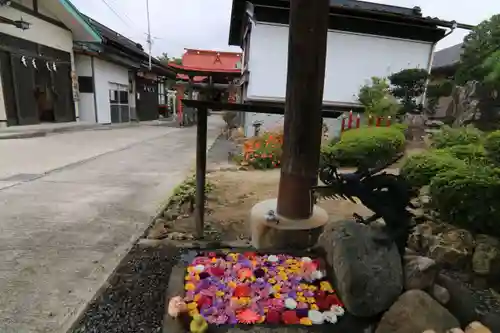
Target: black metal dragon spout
388,196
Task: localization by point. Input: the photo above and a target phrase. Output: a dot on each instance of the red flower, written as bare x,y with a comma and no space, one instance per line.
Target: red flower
290,318
248,316
334,300
204,300
242,290
273,317
250,255
212,254
217,271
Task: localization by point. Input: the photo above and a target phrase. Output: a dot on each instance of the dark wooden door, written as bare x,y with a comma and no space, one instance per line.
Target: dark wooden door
64,107
24,91
147,99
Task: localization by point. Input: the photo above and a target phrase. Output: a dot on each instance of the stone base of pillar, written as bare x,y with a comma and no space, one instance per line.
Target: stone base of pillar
283,233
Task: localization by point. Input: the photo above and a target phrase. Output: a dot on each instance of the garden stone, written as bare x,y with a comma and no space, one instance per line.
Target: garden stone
486,252
423,236
159,230
419,272
453,248
462,303
440,294
171,215
369,276
477,327
414,312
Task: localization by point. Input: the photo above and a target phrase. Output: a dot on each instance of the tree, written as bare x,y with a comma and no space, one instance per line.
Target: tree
408,86
377,99
165,59
479,45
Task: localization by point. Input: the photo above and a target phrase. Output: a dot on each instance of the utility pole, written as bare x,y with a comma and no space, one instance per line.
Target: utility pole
304,98
149,40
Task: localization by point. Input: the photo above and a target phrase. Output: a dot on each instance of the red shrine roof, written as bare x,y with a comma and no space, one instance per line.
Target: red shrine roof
207,61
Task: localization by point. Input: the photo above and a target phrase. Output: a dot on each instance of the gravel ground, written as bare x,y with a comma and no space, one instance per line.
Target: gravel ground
135,299
486,300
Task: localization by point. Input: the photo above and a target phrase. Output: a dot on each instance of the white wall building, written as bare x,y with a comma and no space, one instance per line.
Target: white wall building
364,40
36,64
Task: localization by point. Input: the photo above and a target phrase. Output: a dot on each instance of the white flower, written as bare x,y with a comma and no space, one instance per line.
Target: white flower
199,268
272,258
290,303
317,275
337,310
306,259
316,317
330,317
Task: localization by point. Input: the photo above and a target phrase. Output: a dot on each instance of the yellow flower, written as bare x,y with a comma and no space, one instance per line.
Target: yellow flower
289,261
277,295
219,293
189,286
313,288
187,278
301,299
314,307
281,268
276,287
196,297
190,269
271,281
305,321
261,320
326,286
231,284
214,260
193,313
311,300
303,286
299,293
192,306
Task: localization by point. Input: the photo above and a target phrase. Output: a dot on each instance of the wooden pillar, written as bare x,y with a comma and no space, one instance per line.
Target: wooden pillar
201,168
304,95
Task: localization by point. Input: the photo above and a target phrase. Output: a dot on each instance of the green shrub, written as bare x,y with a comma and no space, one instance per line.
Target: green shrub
448,137
419,169
470,154
365,147
492,147
468,198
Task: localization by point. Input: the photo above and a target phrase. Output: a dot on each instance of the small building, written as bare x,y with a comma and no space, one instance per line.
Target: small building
115,83
206,74
364,40
445,62
36,61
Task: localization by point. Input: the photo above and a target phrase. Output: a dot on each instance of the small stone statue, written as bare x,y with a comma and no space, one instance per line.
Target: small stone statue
388,196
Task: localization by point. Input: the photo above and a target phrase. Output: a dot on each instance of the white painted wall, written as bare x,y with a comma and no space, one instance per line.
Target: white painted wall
352,59
83,67
106,73
40,32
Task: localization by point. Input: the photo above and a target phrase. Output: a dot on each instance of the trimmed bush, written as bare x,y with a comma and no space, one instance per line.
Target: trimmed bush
365,147
419,169
470,154
468,198
449,137
492,147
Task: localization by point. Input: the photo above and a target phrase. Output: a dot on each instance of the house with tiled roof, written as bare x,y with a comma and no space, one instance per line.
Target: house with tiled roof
365,39
446,61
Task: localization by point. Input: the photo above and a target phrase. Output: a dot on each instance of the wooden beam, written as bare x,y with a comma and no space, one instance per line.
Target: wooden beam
328,111
201,169
304,95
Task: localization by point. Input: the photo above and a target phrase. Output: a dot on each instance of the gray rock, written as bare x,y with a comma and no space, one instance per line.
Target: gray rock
440,294
171,214
369,275
414,312
159,230
485,254
419,272
453,248
462,303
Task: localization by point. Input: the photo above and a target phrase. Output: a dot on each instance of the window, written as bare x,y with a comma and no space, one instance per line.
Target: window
161,93
86,84
119,103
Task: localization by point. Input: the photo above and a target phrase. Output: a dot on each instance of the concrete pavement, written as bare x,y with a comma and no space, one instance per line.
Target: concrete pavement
71,206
